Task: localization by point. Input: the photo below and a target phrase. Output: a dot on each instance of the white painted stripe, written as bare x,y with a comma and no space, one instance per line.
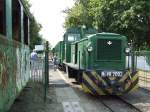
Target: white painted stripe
62,76
67,107
76,106
72,107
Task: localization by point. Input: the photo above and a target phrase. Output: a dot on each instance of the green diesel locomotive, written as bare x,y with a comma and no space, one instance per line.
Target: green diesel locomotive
97,61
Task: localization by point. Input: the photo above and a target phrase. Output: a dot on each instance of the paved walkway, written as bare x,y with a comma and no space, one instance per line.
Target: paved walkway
64,93
71,95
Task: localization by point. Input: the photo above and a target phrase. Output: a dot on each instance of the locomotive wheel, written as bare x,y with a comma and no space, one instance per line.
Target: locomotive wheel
79,77
71,73
64,67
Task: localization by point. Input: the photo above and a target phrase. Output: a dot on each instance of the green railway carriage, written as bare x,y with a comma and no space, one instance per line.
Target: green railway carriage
98,62
63,48
14,51
58,51
74,34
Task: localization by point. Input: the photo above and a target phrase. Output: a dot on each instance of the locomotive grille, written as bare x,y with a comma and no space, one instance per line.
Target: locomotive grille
108,49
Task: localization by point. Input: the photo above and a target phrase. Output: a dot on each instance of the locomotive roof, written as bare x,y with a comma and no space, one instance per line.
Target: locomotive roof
77,29
111,35
105,35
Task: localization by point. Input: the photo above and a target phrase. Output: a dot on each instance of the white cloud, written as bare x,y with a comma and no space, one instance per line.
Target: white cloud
49,14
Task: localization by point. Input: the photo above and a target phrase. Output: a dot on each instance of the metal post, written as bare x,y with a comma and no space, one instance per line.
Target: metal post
46,70
79,60
82,31
132,58
128,61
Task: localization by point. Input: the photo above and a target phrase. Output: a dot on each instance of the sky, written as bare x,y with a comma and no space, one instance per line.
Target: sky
49,14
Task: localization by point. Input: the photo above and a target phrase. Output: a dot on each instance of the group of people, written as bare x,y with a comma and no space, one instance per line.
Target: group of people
34,59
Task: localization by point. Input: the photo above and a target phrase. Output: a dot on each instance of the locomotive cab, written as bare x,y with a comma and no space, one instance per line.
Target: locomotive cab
107,51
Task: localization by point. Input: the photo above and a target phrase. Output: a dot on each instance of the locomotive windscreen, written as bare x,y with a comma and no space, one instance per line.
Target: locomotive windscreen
73,37
108,49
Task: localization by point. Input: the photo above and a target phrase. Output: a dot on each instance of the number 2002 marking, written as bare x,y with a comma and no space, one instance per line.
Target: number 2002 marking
110,74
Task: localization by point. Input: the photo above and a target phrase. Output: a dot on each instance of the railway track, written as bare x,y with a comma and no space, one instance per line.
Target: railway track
112,103
117,104
132,106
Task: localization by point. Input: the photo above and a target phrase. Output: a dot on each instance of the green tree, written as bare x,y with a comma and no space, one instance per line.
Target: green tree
78,15
127,17
35,37
35,27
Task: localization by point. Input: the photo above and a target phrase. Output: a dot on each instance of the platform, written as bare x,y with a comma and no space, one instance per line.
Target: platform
65,95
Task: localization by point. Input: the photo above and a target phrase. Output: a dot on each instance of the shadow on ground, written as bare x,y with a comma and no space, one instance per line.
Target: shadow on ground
31,99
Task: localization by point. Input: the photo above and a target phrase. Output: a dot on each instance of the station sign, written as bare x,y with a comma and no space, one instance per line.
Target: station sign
39,47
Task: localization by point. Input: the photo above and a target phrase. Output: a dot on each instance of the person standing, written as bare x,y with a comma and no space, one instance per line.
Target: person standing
55,62
34,59
34,55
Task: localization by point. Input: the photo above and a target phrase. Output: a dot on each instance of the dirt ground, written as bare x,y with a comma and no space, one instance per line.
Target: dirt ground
31,99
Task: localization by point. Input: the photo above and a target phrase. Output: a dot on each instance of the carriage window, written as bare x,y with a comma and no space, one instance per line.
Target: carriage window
16,20
26,29
2,18
73,37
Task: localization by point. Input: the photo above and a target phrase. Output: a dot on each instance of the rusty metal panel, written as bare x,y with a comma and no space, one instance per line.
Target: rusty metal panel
14,71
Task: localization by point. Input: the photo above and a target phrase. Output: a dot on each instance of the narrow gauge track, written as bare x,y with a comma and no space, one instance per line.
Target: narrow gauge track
117,104
113,103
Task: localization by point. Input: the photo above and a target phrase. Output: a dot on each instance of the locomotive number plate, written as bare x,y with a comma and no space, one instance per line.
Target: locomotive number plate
111,74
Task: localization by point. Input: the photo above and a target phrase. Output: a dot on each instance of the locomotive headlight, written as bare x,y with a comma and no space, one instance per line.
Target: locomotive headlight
127,50
90,49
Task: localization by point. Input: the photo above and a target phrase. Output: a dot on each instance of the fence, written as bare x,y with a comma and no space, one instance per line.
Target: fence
39,72
142,64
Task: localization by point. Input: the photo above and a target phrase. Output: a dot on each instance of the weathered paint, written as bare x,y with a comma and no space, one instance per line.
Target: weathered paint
14,71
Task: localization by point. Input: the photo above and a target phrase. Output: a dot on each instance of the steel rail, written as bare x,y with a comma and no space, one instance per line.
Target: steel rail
110,109
135,109
131,105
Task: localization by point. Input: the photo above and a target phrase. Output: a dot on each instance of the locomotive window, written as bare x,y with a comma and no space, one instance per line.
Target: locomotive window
2,18
73,37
